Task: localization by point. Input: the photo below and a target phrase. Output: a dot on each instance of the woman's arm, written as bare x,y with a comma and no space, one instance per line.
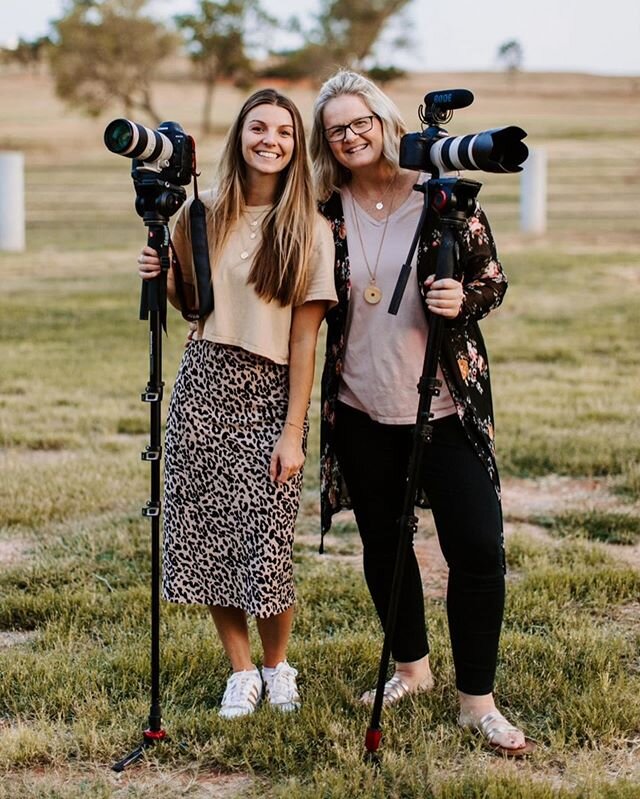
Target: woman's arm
287,458
484,280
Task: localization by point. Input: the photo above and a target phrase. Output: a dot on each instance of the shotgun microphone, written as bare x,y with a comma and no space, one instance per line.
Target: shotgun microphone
449,99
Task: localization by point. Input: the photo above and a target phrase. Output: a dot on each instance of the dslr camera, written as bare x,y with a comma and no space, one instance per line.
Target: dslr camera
163,163
432,150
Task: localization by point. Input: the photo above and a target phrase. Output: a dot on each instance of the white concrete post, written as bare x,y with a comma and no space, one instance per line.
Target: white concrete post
12,216
533,192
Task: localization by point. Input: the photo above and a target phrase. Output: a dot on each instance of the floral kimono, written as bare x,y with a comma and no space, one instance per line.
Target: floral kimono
463,357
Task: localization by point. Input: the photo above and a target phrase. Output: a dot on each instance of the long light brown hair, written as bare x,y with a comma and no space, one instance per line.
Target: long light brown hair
280,267
329,174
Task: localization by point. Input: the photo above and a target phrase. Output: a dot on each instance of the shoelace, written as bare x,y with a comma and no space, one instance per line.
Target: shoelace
282,686
241,689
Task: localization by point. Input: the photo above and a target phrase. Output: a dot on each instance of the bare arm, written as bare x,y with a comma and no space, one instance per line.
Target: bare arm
287,458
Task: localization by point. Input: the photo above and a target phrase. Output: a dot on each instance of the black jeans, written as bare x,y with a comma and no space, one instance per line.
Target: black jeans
374,459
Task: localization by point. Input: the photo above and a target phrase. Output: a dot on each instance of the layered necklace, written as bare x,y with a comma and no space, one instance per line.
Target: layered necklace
372,293
253,223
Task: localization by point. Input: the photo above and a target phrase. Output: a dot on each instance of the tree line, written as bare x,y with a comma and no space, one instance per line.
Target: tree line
107,52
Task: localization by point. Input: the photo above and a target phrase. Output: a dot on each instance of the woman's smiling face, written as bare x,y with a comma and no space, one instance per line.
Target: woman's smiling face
355,151
267,139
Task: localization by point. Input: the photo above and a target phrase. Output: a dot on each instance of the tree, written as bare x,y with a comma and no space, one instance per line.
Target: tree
28,54
343,33
216,37
106,51
511,55
351,28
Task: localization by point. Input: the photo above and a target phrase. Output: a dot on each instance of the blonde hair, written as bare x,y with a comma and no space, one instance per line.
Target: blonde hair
280,267
328,173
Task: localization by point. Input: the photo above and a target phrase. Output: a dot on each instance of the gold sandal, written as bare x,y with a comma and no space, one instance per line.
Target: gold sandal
492,724
395,689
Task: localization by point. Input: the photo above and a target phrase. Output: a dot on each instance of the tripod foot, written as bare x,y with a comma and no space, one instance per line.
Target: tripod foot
149,739
372,739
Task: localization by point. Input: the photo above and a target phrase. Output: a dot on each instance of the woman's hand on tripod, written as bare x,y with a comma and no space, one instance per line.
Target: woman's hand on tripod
148,263
444,296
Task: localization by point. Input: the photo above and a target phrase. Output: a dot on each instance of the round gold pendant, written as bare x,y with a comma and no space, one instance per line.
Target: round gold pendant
372,294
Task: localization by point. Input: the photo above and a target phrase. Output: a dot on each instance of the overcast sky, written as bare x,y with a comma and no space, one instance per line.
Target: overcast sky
564,35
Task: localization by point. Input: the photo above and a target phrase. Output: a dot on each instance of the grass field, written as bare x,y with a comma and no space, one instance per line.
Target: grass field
74,550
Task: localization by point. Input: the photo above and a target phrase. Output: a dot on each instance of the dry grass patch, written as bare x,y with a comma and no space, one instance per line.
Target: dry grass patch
14,551
143,781
10,638
553,493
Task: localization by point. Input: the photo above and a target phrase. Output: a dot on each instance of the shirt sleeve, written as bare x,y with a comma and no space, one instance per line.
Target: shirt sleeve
321,283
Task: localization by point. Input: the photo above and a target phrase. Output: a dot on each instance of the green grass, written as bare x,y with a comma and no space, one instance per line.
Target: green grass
565,365
78,692
71,483
612,527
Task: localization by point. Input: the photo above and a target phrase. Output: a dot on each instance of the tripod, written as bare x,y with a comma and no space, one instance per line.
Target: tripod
153,306
452,200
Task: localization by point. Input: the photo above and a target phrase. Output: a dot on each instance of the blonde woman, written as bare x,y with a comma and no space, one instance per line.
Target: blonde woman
237,420
369,398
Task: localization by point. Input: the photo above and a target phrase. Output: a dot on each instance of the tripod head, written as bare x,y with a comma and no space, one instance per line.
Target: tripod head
156,199
453,200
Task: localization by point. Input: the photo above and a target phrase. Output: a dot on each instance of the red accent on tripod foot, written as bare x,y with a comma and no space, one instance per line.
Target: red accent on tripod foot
154,735
372,740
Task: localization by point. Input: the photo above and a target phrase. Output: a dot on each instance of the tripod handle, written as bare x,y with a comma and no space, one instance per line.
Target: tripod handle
403,277
448,253
154,292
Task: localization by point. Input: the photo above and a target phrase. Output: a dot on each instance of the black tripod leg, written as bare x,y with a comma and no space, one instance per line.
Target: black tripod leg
153,295
428,387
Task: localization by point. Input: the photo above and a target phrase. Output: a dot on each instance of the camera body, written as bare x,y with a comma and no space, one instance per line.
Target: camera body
162,163
432,150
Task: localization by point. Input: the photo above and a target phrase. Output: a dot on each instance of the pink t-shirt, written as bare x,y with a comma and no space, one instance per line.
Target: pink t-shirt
385,353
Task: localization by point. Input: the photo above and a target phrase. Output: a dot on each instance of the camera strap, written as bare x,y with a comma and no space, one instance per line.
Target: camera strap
202,305
188,309
200,249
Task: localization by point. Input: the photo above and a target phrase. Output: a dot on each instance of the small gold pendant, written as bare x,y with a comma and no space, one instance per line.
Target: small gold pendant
244,255
372,294
380,205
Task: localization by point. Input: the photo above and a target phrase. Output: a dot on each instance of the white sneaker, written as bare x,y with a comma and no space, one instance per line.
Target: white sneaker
280,687
242,694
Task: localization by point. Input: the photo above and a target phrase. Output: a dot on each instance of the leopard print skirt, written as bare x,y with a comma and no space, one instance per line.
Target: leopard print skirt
228,529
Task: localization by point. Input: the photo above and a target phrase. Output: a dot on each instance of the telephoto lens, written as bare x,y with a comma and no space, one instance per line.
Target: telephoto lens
497,150
135,141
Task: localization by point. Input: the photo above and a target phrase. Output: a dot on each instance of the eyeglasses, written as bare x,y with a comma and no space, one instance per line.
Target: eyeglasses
356,126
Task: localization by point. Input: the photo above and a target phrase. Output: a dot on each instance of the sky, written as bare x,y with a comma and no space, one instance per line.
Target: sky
555,35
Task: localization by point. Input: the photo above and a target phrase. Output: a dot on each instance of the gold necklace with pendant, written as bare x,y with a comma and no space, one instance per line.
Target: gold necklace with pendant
380,204
372,293
254,220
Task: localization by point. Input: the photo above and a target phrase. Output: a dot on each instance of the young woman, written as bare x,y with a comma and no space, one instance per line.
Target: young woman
369,401
236,428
